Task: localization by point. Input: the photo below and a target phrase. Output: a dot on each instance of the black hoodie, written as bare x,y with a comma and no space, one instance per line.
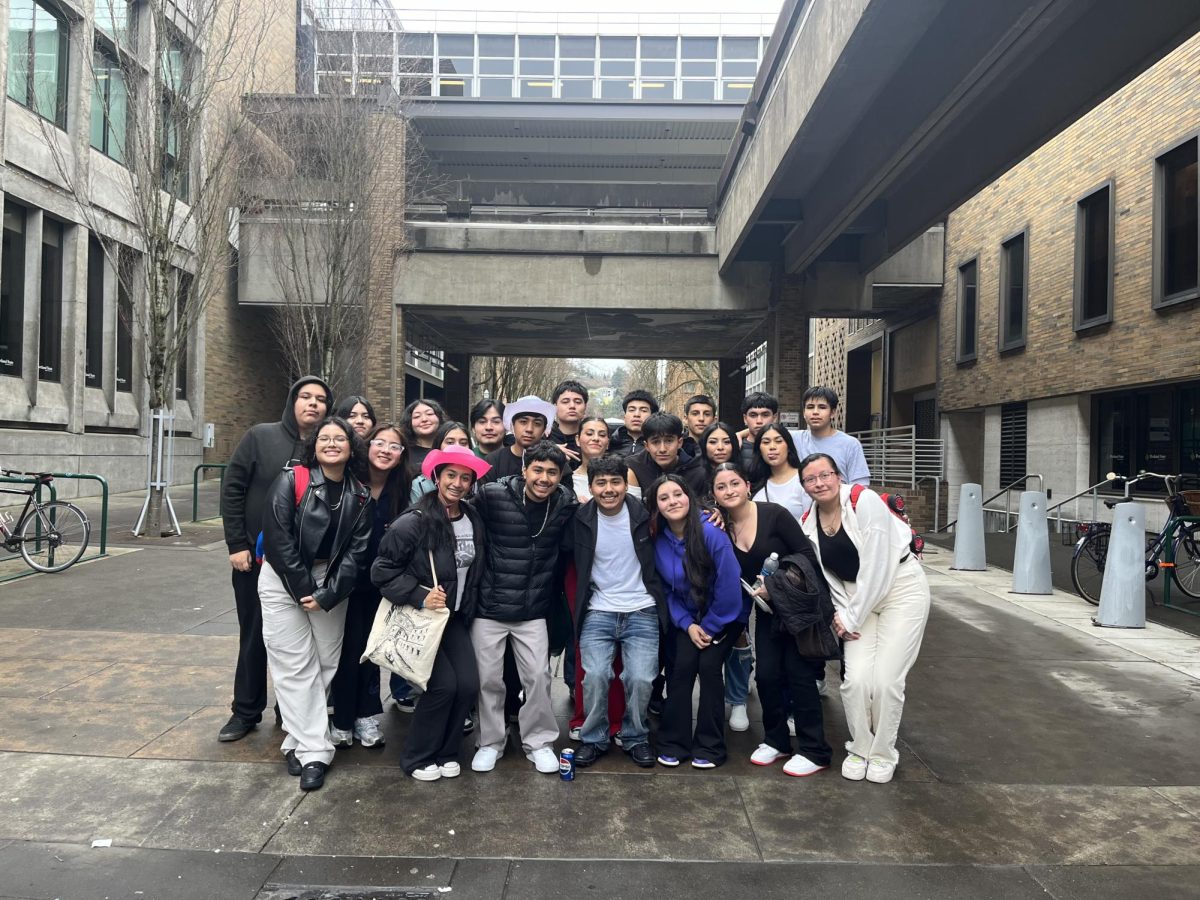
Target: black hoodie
261,454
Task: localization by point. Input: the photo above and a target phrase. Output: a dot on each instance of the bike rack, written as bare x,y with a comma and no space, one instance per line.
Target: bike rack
69,476
196,488
1169,563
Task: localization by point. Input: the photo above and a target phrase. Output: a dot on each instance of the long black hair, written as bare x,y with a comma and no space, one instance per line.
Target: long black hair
356,466
346,406
406,417
445,428
734,449
697,561
399,482
732,465
761,470
437,530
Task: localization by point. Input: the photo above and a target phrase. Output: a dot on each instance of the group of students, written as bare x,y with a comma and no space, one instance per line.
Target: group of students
651,534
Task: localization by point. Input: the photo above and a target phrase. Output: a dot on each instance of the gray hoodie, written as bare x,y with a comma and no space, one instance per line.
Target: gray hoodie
261,454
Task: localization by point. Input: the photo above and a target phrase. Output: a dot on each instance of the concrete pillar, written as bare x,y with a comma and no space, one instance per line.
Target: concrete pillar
787,358
731,375
456,382
1123,591
970,552
1031,560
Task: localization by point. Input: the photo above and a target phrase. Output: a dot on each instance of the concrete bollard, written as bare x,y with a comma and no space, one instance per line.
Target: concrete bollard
970,555
1123,592
1031,560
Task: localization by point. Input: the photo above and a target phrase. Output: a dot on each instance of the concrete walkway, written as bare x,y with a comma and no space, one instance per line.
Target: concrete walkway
1041,757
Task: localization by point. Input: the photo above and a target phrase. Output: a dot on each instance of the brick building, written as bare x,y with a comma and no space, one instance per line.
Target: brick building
1066,340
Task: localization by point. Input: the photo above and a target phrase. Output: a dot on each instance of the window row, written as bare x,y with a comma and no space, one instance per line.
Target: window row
1176,258
110,275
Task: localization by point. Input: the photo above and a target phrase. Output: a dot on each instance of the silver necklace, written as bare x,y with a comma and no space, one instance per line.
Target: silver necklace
545,518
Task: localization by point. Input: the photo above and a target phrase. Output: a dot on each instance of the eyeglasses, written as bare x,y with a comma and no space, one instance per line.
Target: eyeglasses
380,443
332,439
818,479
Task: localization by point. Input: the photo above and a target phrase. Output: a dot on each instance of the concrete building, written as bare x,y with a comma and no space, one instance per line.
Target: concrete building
1066,339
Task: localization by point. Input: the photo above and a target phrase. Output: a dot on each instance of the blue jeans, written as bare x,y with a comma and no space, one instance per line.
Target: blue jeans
636,634
737,674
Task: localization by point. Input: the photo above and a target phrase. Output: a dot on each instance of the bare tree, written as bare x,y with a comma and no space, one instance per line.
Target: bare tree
162,73
672,381
508,377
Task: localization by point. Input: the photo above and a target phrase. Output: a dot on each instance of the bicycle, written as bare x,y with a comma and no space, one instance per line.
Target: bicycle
1091,550
50,535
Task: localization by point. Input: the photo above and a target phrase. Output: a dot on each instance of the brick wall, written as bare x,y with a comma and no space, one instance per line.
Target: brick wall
829,360
918,502
1117,141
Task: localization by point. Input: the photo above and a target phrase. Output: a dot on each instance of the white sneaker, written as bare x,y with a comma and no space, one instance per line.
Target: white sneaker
823,688
428,773
574,733
791,726
880,771
801,766
854,767
485,759
368,732
738,720
341,738
765,755
450,769
544,760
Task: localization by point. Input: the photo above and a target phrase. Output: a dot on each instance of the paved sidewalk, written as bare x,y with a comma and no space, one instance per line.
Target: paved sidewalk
1041,757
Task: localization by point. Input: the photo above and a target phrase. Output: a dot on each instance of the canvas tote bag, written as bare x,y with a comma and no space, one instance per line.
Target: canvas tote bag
405,639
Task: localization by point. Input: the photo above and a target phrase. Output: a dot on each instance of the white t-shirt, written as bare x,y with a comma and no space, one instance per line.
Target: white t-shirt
579,481
790,495
616,573
464,553
846,451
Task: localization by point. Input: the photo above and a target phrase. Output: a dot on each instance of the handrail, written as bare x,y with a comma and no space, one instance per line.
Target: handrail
1093,490
72,476
1004,490
196,488
897,456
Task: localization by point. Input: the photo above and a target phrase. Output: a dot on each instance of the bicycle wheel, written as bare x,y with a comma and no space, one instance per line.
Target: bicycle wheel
53,536
1187,561
1087,565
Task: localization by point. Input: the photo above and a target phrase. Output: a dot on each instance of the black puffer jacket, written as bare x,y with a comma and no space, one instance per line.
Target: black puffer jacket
292,535
401,570
523,575
800,597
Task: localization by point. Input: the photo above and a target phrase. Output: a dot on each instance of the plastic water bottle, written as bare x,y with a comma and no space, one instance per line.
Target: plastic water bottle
770,567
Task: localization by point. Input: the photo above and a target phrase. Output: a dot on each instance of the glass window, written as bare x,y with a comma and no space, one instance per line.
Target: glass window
1093,259
739,48
126,262
537,45
699,90
110,106
701,69
335,41
375,65
618,47
114,18
699,48
1013,272
409,44
182,297
379,43
454,87
422,65
94,352
583,67
175,166
496,45
1154,430
658,68
658,47
495,67
537,67
577,47
459,66
495,87
12,290
616,89
576,88
50,318
617,67
737,90
742,69
537,87
414,86
37,61
658,90
456,45
968,306
1179,253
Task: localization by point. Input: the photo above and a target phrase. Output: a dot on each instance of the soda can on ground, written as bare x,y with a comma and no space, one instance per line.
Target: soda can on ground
566,764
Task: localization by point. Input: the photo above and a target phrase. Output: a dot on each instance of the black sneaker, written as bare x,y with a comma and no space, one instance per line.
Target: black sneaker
405,704
312,776
235,729
642,755
587,754
293,763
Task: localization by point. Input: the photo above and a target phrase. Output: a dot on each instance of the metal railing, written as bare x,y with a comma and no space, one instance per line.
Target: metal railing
196,488
1094,490
70,476
896,456
1005,492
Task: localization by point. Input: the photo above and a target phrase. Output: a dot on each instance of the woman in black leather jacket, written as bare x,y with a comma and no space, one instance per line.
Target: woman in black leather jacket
315,533
432,558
